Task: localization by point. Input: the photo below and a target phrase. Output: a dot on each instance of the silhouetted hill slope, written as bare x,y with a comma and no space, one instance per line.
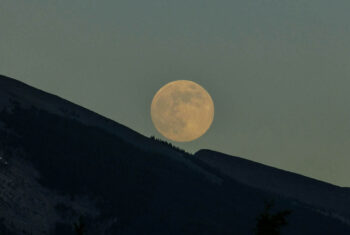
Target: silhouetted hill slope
59,161
310,191
27,96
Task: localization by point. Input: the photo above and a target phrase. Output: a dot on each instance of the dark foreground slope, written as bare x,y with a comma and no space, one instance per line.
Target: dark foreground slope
329,198
56,166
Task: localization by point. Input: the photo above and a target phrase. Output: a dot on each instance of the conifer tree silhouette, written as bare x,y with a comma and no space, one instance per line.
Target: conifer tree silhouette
268,223
79,227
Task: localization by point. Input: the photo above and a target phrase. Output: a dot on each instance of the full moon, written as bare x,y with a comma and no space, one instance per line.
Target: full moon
182,111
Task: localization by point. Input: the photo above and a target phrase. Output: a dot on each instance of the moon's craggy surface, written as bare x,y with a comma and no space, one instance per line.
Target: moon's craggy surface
182,111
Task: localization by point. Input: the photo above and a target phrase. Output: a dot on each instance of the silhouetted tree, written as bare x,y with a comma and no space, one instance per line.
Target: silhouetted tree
79,227
168,144
269,223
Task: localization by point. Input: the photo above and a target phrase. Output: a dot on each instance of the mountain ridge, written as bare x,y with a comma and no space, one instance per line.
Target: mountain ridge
31,96
289,184
61,161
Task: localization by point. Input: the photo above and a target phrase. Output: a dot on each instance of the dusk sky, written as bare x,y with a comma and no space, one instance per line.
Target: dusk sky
278,71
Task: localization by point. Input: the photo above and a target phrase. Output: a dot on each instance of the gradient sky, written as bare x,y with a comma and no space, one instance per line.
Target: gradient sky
278,70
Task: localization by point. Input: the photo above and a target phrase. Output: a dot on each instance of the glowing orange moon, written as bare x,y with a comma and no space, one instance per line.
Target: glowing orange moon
182,111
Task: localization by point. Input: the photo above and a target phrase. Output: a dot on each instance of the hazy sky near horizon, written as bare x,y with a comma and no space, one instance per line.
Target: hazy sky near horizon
277,70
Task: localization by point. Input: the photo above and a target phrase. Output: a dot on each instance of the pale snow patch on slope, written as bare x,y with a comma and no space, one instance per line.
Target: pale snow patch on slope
24,203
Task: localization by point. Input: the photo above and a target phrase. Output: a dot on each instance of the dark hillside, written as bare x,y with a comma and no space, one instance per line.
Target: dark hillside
56,169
